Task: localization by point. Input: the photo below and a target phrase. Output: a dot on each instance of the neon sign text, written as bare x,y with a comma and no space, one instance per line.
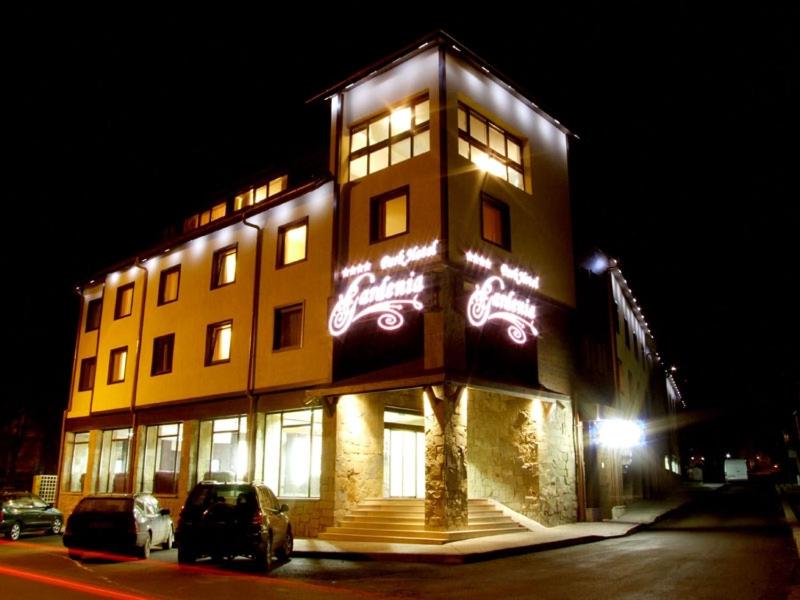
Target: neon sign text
387,299
407,256
519,276
490,302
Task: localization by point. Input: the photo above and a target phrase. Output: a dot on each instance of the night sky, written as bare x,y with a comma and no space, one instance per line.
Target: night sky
119,125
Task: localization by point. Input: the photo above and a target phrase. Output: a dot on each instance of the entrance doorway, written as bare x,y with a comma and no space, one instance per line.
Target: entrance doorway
403,455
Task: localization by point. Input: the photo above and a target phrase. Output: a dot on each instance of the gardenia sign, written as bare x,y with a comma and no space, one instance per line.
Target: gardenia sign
387,297
493,301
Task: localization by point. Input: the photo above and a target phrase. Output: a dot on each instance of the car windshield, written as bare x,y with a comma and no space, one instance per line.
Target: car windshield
105,505
204,496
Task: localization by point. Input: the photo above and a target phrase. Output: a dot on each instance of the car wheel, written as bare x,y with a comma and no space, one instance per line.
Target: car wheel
285,552
185,555
55,527
144,551
170,540
13,532
75,555
264,557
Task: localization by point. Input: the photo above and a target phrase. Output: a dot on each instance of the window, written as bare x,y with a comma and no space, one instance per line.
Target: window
86,379
390,138
222,449
224,268
93,313
162,354
495,222
389,215
490,147
76,458
292,242
117,364
124,304
254,195
218,342
114,456
169,285
162,459
288,327
293,453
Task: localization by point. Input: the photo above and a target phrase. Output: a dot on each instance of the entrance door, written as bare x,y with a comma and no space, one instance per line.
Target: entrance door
403,456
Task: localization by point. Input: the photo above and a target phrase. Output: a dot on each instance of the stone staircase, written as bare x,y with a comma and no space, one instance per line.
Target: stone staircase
402,521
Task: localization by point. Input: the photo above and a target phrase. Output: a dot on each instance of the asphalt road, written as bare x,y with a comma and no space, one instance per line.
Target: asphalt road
728,544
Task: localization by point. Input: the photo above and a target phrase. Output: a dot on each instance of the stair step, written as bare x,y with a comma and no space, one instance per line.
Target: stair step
420,519
420,526
404,537
344,537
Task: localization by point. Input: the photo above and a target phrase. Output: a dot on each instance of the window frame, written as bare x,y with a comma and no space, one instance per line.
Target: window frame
280,262
165,273
275,476
210,346
114,352
486,147
83,384
216,265
279,310
118,303
169,342
377,225
95,305
505,216
149,469
410,133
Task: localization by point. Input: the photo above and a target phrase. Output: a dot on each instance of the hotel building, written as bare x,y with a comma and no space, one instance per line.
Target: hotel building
399,329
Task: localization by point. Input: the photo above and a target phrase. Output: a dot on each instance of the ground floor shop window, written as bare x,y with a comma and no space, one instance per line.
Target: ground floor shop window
162,458
76,458
222,449
293,453
114,456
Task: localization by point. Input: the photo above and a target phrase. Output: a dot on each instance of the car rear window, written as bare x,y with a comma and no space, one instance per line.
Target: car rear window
105,505
203,496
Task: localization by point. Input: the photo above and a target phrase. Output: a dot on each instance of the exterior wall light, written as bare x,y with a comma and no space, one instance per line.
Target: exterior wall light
617,433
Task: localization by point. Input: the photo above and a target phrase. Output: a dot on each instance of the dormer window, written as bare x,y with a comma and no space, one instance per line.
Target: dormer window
390,138
490,147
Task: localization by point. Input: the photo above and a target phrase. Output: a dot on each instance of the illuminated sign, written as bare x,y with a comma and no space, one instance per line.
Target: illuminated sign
493,300
385,297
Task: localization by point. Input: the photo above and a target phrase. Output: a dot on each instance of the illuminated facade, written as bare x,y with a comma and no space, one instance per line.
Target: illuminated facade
627,402
399,329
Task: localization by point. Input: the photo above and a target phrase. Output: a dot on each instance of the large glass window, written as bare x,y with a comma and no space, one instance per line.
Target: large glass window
76,459
390,138
224,268
293,453
222,451
490,147
169,285
292,242
124,304
162,458
218,342
389,215
114,456
116,365
257,194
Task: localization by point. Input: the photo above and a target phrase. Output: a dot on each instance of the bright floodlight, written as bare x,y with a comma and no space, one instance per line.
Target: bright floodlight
619,433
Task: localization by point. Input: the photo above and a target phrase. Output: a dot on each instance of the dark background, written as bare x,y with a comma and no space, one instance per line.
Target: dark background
118,125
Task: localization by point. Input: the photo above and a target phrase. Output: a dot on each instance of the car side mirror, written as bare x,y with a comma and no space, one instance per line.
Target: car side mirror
164,512
284,508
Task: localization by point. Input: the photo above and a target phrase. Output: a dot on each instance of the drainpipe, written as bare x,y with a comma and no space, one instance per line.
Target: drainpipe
129,484
251,365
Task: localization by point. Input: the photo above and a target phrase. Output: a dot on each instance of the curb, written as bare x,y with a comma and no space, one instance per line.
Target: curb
791,519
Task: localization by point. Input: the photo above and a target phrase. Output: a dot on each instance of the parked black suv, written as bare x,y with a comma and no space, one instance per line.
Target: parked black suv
225,520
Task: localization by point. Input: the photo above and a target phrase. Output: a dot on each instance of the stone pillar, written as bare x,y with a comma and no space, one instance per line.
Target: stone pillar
359,451
446,458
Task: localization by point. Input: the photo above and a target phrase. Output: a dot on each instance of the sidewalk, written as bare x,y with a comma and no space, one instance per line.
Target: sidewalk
636,516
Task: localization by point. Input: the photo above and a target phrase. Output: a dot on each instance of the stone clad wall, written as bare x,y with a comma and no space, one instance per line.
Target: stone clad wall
358,452
520,452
